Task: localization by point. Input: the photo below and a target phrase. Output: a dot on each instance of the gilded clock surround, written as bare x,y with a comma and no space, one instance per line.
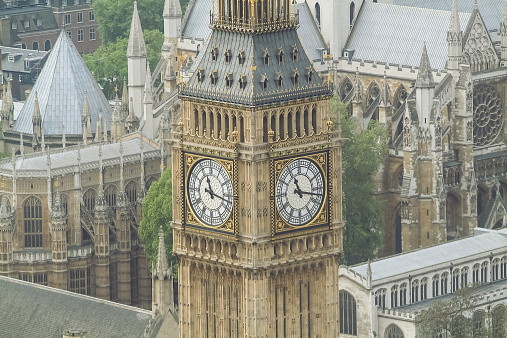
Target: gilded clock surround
191,219
279,226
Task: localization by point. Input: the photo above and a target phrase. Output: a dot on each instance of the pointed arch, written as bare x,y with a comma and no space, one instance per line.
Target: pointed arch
399,97
89,199
110,195
131,191
32,222
345,88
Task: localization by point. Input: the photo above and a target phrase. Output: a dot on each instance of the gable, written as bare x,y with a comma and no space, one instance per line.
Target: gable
478,48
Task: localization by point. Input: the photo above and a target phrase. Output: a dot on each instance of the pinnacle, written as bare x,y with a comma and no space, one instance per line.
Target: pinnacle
454,26
136,46
172,8
161,268
425,76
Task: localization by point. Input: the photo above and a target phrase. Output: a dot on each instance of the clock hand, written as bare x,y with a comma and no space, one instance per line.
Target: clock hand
210,191
309,193
298,189
223,199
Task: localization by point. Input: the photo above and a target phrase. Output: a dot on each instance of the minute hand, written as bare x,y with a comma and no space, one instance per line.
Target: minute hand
223,199
309,193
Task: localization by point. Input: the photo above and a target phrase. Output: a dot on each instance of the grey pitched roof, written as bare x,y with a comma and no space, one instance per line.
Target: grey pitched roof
396,34
17,108
66,158
31,310
196,25
491,10
136,46
61,88
254,70
444,253
18,57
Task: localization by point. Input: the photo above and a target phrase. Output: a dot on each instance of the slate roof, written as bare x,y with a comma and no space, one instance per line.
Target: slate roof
17,108
444,253
61,88
31,310
66,158
491,10
21,14
254,47
396,34
196,25
20,55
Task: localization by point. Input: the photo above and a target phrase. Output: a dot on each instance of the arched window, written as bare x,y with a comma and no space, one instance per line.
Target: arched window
403,294
393,331
110,195
47,45
464,277
380,298
475,273
64,201
415,291
35,46
479,322
484,272
352,12
443,282
348,320
495,268
32,221
89,199
455,280
503,268
436,280
317,12
394,296
424,288
131,192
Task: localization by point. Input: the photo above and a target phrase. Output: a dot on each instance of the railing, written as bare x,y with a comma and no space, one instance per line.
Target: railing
31,257
256,23
80,252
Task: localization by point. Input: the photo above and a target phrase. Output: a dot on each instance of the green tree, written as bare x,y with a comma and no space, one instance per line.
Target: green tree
109,62
157,211
114,17
363,153
451,316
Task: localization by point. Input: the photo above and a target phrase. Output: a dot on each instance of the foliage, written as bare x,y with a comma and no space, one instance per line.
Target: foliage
109,62
157,211
363,153
453,316
114,17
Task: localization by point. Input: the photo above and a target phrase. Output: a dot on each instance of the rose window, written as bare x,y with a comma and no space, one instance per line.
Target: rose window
488,115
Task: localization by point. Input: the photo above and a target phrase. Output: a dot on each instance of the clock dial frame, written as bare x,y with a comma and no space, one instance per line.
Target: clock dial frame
302,205
209,192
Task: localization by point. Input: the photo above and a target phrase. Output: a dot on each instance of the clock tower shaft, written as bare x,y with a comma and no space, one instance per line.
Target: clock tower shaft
253,105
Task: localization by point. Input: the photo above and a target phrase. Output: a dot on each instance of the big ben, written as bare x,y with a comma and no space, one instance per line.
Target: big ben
257,191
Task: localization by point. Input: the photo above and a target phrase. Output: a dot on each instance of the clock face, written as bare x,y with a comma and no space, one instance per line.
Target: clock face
300,192
210,192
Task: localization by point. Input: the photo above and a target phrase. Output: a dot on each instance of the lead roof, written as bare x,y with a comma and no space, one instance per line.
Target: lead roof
255,70
61,88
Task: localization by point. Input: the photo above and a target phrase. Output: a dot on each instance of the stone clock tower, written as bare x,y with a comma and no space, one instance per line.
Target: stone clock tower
257,185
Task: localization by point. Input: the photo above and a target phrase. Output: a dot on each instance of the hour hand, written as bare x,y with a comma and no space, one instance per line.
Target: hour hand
210,191
298,189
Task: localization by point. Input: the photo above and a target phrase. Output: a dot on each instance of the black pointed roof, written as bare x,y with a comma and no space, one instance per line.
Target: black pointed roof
254,70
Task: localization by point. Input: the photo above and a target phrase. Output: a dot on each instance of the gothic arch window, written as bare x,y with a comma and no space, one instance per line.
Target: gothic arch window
89,199
32,222
372,97
415,291
475,273
131,191
110,195
317,12
380,298
394,296
455,280
444,281
403,294
64,201
393,331
435,281
464,277
348,320
503,267
495,269
352,12
345,88
400,97
484,272
424,288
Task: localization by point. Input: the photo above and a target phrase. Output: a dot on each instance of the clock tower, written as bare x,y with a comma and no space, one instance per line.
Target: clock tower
257,191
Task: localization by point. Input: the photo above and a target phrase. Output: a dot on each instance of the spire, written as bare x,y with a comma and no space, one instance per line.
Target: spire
98,133
161,269
104,131
172,9
86,119
148,95
125,100
424,76
100,202
36,119
136,47
454,26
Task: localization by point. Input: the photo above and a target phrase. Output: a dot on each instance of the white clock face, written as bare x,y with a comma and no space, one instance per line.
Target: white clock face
300,192
210,192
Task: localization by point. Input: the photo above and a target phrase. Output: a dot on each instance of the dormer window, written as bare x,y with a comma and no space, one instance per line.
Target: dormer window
278,79
14,25
27,24
39,22
295,77
241,57
227,55
309,75
279,55
228,80
294,53
264,82
265,57
200,74
214,54
213,77
242,81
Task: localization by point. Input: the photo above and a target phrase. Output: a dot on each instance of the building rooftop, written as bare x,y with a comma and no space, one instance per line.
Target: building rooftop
13,59
396,34
61,88
31,310
411,262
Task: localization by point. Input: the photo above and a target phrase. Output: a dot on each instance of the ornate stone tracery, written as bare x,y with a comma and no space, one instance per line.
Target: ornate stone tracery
488,115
